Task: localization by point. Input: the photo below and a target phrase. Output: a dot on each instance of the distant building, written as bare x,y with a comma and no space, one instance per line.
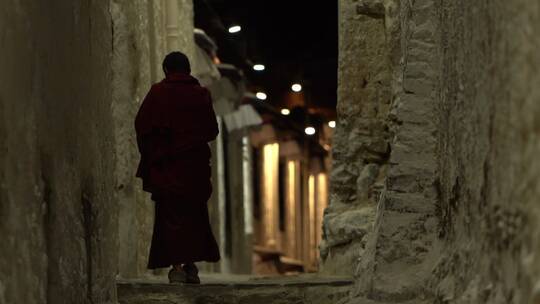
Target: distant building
270,180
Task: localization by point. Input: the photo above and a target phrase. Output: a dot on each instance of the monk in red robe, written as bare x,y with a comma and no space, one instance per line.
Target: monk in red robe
174,125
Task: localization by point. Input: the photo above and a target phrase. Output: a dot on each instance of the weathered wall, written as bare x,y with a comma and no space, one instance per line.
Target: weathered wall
361,142
403,247
456,219
385,164
131,80
489,109
73,75
57,210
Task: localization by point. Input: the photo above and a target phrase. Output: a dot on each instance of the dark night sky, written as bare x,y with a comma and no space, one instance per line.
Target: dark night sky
295,39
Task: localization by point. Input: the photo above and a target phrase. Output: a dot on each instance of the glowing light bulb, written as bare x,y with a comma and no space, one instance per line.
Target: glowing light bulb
285,111
310,130
332,124
235,29
296,87
261,96
259,67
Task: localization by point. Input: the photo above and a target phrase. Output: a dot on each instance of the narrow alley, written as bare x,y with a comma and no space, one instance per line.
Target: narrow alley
369,151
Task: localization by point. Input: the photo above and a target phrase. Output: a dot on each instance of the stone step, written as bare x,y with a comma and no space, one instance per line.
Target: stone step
282,290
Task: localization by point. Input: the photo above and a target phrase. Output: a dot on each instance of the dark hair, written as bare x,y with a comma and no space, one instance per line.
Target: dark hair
176,62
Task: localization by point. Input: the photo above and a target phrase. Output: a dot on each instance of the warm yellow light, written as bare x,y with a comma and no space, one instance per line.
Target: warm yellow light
285,111
291,208
310,130
322,202
270,194
235,29
311,190
332,124
261,96
259,67
312,219
296,87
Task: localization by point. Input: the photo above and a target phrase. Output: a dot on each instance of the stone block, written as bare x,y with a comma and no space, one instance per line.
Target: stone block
419,86
409,203
366,179
372,8
345,226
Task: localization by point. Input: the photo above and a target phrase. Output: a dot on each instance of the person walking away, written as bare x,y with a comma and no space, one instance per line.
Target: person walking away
174,125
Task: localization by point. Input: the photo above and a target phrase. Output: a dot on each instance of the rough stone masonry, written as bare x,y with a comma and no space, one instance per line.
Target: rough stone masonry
57,210
434,179
72,74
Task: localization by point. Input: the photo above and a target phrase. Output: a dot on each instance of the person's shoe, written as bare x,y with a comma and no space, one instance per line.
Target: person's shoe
177,276
192,274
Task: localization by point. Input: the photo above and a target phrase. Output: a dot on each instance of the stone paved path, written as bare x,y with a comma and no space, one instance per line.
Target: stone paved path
234,289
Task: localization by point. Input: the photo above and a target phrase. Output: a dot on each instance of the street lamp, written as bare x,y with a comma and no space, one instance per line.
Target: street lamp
296,87
261,96
310,131
332,124
285,112
235,29
259,67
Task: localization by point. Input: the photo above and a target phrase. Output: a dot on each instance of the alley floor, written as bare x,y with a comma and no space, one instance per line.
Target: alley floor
236,289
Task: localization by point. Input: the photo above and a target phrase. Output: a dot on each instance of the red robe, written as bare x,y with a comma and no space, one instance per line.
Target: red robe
174,125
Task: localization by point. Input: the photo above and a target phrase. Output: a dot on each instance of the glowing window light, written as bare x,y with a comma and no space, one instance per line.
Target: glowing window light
270,191
235,29
285,111
296,87
291,229
310,130
332,124
322,202
312,214
261,96
259,67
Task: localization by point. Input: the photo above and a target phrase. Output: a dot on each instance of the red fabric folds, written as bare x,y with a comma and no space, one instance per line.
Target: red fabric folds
182,233
174,125
175,119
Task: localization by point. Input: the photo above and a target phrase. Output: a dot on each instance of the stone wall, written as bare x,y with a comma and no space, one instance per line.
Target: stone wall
72,215
489,112
57,208
385,152
455,221
361,142
131,78
403,247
